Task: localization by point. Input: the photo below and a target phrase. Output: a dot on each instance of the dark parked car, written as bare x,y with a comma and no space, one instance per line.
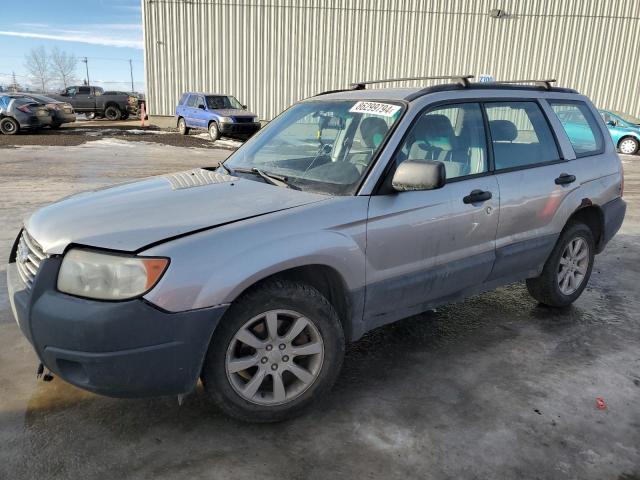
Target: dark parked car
19,112
61,112
93,102
217,113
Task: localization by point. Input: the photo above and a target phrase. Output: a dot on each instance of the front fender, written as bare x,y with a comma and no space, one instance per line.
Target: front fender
214,267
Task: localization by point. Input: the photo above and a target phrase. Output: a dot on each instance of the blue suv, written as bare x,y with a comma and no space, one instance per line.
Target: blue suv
218,113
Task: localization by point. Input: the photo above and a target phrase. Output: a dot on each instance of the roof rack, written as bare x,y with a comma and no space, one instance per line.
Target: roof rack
546,84
463,80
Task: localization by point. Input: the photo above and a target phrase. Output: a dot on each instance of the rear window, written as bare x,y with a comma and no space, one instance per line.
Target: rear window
183,99
520,135
580,126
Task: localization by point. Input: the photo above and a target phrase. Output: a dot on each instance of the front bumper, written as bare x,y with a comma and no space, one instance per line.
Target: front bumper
118,349
239,128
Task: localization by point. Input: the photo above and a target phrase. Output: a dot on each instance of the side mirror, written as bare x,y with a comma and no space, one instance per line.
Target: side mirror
419,175
611,123
201,107
244,107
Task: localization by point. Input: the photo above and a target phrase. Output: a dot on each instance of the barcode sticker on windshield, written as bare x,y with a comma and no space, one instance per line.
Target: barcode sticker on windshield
375,108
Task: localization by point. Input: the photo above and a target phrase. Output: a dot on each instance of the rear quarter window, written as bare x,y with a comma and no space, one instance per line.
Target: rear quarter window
580,125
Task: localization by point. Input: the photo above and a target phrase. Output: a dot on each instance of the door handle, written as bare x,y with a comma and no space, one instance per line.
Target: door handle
565,179
477,196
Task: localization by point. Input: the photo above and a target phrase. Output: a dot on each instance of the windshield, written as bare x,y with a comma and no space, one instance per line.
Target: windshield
627,118
218,102
322,146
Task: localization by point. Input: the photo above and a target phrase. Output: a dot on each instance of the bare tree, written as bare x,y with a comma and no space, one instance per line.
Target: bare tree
38,66
64,66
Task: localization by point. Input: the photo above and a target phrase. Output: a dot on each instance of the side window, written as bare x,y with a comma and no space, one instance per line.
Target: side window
84,91
71,91
183,99
3,102
200,101
451,134
520,135
580,126
193,101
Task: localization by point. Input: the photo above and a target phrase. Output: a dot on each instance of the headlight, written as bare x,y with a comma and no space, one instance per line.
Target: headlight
106,276
226,119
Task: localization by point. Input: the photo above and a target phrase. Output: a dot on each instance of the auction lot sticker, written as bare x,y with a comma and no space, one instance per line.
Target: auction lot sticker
375,108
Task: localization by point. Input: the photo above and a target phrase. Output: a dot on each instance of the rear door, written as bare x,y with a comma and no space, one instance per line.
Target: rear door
534,180
426,245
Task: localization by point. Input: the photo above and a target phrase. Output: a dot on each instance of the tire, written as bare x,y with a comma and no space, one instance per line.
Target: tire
628,145
182,126
214,131
315,371
9,126
112,113
553,287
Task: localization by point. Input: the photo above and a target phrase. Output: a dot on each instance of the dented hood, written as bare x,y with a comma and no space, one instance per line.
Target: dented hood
133,215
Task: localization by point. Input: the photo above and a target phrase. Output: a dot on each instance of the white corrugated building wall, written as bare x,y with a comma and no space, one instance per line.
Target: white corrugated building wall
272,53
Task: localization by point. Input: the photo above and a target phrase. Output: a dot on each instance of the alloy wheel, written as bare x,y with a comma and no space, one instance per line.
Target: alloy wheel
573,266
274,357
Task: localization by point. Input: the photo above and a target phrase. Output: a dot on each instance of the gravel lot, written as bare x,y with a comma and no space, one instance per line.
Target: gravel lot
495,387
83,131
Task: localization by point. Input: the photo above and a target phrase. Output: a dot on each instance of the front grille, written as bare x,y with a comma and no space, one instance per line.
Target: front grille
243,119
28,258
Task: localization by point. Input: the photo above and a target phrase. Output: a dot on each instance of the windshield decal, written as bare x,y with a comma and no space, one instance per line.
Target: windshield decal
376,108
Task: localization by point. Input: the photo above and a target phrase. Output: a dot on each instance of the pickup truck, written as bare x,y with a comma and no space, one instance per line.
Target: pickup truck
92,102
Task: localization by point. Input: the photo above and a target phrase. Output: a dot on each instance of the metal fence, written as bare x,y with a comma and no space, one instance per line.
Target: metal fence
271,53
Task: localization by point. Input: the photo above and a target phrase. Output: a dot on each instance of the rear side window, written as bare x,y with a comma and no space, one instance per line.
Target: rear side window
84,90
580,126
520,134
193,101
183,99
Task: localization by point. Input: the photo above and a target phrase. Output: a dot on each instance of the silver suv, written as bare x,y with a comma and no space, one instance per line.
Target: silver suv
350,210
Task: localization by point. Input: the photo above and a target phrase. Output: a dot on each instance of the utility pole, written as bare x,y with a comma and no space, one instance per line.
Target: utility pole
15,83
131,70
86,64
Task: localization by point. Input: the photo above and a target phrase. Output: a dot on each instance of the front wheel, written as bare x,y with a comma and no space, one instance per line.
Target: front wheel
628,145
9,126
277,350
567,270
214,131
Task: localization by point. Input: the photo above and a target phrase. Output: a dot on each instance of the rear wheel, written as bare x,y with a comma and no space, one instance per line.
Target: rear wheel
9,126
568,268
628,145
277,350
214,131
112,113
182,126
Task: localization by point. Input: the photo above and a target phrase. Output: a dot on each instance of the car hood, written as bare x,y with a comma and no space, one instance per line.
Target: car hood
134,215
234,112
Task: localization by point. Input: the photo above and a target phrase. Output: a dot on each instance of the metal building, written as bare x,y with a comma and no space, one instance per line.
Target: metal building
271,53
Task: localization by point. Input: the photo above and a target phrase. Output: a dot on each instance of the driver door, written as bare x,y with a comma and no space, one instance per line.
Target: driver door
424,246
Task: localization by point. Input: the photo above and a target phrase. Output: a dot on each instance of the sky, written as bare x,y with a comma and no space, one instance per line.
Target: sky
107,32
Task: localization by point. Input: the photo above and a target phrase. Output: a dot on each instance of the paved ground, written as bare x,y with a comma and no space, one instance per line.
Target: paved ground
496,387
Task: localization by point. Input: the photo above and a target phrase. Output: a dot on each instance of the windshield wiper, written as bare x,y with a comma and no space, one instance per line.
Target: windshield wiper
273,179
